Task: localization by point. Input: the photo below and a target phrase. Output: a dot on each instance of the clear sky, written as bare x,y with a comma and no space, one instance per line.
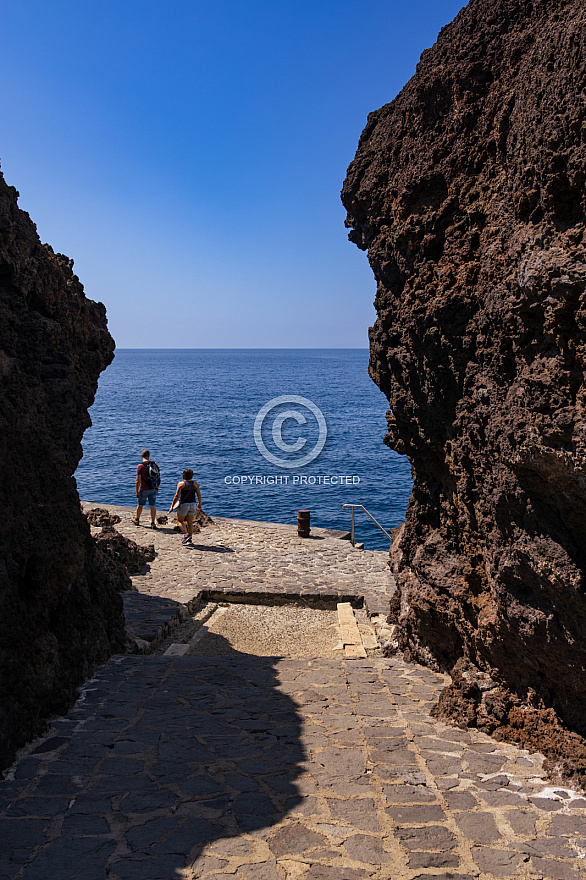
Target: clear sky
189,156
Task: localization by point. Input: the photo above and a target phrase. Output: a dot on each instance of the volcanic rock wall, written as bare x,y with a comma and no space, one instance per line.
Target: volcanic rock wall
60,607
468,191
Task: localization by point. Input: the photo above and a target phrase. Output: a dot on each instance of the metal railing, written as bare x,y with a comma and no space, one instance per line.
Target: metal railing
390,537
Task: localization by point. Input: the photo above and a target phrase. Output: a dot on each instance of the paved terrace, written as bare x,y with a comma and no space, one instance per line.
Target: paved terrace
265,559
267,768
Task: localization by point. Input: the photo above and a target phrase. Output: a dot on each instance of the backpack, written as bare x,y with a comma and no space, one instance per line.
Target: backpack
153,475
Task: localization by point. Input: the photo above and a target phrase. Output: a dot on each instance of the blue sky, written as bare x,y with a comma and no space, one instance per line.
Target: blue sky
189,157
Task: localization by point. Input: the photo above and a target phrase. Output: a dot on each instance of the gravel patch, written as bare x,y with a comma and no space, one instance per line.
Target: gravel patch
270,631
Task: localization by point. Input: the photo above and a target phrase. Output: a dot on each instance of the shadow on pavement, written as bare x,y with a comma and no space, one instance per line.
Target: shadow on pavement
145,615
161,758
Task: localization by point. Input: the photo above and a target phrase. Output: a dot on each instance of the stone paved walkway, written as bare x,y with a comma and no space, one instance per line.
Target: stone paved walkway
239,557
249,768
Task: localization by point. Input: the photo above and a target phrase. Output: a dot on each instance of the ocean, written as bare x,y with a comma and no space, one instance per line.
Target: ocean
267,432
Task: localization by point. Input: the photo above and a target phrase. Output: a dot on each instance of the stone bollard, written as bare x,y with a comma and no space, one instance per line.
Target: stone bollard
303,518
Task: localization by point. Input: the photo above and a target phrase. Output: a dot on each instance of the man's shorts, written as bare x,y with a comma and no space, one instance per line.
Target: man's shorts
147,496
188,509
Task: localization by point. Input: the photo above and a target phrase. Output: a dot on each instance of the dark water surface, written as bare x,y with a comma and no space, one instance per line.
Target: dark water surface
197,408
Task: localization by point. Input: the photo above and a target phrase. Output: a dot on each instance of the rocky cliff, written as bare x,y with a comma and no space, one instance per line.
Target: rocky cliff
469,192
60,609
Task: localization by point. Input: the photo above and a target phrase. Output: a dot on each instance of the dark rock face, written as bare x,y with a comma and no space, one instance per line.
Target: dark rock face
115,546
202,519
60,607
131,555
102,518
469,193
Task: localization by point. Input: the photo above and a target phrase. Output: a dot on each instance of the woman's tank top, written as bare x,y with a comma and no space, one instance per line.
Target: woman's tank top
188,493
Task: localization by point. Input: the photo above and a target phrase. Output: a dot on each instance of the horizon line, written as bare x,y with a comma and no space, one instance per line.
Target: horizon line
246,348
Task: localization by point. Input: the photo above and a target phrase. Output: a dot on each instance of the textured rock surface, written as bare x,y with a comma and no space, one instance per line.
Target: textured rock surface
468,191
102,518
131,555
60,609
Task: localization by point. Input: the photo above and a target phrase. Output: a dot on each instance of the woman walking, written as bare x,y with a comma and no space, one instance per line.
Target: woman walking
184,504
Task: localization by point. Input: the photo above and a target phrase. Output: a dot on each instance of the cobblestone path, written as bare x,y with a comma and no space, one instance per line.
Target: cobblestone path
239,558
267,768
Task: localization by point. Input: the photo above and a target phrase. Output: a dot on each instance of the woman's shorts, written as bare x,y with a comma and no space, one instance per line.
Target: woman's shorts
147,496
188,509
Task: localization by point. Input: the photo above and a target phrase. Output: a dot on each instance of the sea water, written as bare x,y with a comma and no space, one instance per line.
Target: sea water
316,445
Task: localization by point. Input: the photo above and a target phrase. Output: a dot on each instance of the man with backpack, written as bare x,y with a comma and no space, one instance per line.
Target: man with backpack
148,480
